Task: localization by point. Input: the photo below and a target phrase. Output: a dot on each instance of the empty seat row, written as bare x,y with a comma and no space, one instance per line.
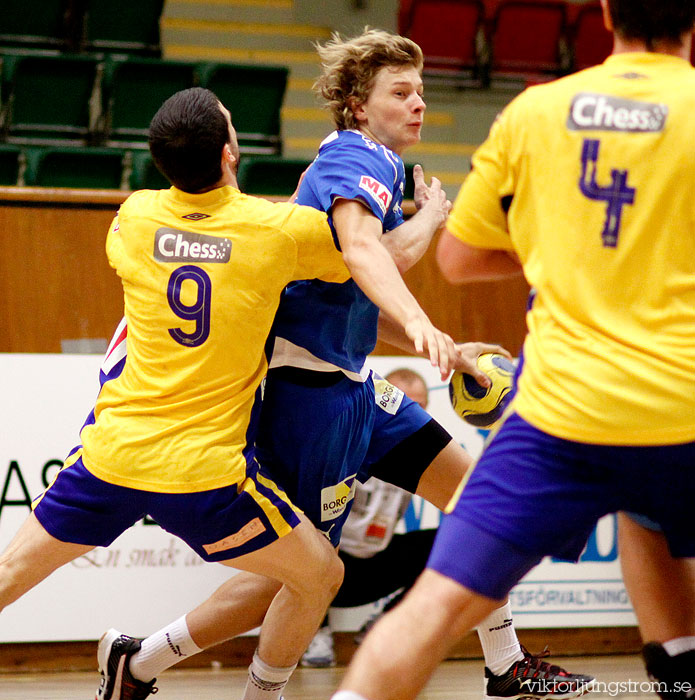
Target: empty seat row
78,167
122,169
89,167
85,25
111,101
488,39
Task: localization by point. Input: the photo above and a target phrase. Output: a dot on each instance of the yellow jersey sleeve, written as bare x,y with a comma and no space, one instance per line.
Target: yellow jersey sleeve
478,216
317,254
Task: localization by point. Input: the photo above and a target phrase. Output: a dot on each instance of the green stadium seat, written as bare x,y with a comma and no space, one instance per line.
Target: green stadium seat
76,167
145,175
133,90
128,27
409,189
43,24
46,98
270,175
10,164
254,95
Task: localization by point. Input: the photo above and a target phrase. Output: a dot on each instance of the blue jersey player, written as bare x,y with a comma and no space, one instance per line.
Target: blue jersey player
328,421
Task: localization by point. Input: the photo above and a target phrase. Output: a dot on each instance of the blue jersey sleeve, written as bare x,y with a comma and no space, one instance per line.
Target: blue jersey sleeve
351,167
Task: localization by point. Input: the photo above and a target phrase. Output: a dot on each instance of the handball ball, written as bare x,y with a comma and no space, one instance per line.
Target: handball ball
477,405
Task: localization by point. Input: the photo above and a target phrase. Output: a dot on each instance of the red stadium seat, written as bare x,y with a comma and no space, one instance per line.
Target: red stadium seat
404,9
448,33
591,42
528,38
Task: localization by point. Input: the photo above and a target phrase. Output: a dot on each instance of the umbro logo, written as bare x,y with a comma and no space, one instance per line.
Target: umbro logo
196,216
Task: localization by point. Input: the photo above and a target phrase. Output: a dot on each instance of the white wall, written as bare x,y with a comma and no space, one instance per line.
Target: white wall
147,577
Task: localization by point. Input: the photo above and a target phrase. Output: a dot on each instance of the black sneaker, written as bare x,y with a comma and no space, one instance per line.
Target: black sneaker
117,683
533,678
675,675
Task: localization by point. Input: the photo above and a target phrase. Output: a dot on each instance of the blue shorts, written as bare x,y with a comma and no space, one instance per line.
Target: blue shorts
219,524
533,495
320,431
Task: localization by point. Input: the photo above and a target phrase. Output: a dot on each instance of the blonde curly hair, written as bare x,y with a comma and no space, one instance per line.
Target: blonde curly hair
350,67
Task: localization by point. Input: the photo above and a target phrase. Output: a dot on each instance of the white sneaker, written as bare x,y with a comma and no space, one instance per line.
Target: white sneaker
320,653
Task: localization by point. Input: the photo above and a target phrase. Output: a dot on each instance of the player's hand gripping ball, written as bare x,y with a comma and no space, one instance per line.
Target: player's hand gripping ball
478,405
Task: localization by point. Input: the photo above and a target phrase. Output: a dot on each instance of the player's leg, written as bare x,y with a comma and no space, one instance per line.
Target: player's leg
501,647
405,646
442,476
32,555
411,450
484,546
76,513
291,571
237,606
310,572
662,585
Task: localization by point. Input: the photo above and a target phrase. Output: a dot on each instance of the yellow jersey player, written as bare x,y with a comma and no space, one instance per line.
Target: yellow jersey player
171,435
589,184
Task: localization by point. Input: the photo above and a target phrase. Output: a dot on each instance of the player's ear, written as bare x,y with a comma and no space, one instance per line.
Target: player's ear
607,19
357,109
227,155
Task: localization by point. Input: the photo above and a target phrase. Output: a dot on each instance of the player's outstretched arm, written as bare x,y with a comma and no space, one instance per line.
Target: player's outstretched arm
408,242
466,353
374,271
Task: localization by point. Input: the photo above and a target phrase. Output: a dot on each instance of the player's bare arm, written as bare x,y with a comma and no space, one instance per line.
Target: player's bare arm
408,243
466,353
374,271
460,262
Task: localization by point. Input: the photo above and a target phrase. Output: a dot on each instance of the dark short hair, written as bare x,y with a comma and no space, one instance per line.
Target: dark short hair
186,138
652,20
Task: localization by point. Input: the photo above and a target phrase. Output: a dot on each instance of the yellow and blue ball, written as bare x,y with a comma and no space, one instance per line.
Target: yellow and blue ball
483,406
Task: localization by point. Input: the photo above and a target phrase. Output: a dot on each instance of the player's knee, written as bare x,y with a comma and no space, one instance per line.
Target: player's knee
332,571
335,574
326,574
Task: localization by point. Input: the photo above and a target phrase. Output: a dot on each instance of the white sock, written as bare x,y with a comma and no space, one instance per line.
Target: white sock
347,695
266,682
498,638
162,650
679,645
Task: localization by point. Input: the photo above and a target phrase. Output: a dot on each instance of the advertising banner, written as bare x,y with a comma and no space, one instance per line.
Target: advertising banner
148,577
